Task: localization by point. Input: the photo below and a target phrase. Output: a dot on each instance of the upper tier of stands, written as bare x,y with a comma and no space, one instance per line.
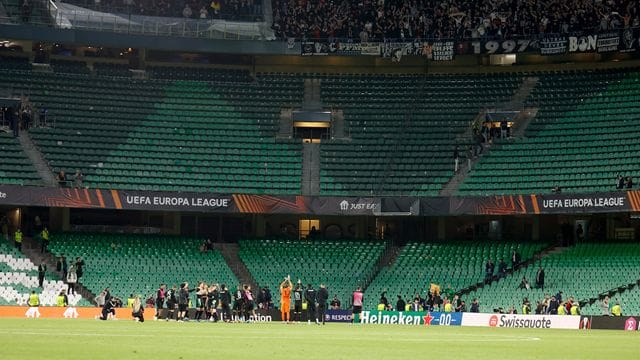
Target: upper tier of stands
166,133
341,265
459,265
246,10
138,264
19,276
583,136
581,272
403,129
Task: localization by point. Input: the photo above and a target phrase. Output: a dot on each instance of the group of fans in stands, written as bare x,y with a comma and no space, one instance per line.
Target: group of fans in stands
369,20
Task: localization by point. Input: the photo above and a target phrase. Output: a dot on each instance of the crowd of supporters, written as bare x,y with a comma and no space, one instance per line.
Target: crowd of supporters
367,20
196,9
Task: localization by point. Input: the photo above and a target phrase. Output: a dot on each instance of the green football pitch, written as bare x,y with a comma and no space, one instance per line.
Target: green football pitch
125,339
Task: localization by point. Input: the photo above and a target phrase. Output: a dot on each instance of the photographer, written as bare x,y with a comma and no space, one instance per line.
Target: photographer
137,310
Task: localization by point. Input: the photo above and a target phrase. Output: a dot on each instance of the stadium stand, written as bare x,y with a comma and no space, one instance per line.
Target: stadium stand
19,276
342,265
581,272
457,264
247,10
15,167
404,19
223,142
403,129
138,264
581,139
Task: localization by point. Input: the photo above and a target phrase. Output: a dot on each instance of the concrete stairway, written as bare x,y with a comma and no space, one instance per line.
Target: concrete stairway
522,121
310,169
285,131
34,154
387,258
311,100
521,95
229,252
32,249
524,264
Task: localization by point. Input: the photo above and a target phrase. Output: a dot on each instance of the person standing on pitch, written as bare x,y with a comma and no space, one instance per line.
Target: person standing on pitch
34,303
285,299
322,298
160,295
358,296
311,297
297,301
172,302
225,303
183,301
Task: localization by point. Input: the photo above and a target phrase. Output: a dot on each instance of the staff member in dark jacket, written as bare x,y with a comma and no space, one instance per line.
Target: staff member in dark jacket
400,304
225,303
183,301
310,297
322,298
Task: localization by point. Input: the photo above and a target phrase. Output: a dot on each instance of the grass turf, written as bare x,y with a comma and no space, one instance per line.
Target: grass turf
125,339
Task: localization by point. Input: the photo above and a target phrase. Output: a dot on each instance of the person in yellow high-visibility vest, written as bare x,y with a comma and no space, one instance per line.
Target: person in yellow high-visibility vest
448,307
34,302
18,237
616,310
575,308
561,309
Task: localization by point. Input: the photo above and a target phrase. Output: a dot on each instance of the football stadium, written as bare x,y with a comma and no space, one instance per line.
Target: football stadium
372,179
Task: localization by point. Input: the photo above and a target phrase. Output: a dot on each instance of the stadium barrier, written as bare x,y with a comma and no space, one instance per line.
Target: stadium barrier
627,323
521,321
410,318
54,312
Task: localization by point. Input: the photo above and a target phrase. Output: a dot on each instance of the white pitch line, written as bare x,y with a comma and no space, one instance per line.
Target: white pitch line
467,338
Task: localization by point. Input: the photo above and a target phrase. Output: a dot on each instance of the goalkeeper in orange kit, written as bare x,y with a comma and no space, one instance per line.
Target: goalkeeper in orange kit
285,299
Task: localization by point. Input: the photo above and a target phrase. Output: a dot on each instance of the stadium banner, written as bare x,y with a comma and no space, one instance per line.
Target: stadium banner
627,323
350,49
314,48
497,46
582,43
338,315
56,312
409,318
553,45
439,50
604,202
629,40
608,42
521,321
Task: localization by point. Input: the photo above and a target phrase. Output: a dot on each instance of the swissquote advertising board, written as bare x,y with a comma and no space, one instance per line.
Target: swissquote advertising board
521,321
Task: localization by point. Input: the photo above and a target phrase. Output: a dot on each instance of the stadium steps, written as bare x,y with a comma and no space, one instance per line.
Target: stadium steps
33,153
618,290
523,265
31,249
388,258
310,169
230,255
522,121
